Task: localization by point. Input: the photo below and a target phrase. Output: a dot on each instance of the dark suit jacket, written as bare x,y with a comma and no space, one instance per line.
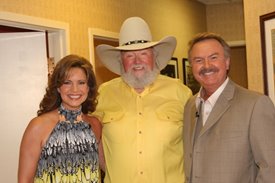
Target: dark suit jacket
237,143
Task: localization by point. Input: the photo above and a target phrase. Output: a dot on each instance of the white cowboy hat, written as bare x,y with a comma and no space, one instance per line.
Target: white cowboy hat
135,35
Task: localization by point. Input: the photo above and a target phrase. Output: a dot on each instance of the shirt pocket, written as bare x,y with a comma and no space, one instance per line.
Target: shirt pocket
170,125
170,112
113,128
109,117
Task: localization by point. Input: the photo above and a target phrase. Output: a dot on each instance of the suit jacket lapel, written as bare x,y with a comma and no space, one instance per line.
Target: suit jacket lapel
222,104
193,122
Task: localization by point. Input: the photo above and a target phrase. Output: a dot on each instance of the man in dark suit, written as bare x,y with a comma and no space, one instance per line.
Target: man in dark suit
229,131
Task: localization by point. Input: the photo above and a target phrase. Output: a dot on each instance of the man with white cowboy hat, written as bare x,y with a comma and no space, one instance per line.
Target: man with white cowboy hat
141,111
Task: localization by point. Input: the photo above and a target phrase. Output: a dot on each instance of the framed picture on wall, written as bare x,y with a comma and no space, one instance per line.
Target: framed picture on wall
171,69
267,27
188,78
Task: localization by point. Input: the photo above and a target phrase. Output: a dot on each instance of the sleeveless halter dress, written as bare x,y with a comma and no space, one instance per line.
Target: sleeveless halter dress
70,154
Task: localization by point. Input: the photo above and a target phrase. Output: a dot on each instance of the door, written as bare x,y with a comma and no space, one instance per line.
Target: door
23,78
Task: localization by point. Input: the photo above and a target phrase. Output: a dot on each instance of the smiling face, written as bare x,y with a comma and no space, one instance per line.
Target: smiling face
139,67
138,62
209,64
74,90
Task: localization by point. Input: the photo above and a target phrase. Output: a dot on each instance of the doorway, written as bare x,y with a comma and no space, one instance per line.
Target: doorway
97,37
238,66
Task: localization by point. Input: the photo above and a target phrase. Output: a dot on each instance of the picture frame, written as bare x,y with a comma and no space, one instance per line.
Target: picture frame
171,68
267,29
188,77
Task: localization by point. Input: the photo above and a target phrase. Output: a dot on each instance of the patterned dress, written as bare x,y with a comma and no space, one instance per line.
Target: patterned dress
70,154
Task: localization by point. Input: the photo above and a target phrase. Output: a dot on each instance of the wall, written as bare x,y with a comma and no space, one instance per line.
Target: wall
181,18
188,18
226,19
252,10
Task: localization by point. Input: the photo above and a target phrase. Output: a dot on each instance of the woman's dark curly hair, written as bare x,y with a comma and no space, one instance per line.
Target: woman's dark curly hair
52,98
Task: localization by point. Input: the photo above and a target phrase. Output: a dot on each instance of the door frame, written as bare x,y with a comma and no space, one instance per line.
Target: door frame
58,32
95,33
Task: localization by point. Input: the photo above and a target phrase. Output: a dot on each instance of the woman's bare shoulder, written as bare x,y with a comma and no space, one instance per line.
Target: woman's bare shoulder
44,120
41,126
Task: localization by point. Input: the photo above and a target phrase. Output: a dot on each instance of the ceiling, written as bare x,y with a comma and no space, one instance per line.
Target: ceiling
207,2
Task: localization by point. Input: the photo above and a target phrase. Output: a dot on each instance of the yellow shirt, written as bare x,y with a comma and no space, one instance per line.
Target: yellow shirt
142,133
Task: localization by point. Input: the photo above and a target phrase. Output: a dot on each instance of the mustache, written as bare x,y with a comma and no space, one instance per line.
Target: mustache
132,67
206,70
138,65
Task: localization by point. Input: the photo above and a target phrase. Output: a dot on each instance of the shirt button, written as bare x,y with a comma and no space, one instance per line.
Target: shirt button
141,172
139,113
140,132
190,155
140,152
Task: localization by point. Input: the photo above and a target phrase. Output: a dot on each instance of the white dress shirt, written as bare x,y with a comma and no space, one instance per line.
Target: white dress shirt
208,105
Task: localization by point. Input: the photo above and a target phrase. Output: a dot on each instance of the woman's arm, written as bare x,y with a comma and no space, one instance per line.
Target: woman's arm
101,156
97,129
30,150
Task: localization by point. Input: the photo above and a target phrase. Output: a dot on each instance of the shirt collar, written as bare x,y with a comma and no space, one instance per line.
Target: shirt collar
214,97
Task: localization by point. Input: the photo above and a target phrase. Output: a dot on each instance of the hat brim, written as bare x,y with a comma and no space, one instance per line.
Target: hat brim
110,56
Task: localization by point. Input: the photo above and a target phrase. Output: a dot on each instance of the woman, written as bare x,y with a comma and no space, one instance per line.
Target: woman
62,144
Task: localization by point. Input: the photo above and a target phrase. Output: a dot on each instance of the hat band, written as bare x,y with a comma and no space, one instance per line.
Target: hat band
135,42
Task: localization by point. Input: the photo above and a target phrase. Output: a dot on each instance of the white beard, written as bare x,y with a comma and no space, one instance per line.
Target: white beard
140,82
